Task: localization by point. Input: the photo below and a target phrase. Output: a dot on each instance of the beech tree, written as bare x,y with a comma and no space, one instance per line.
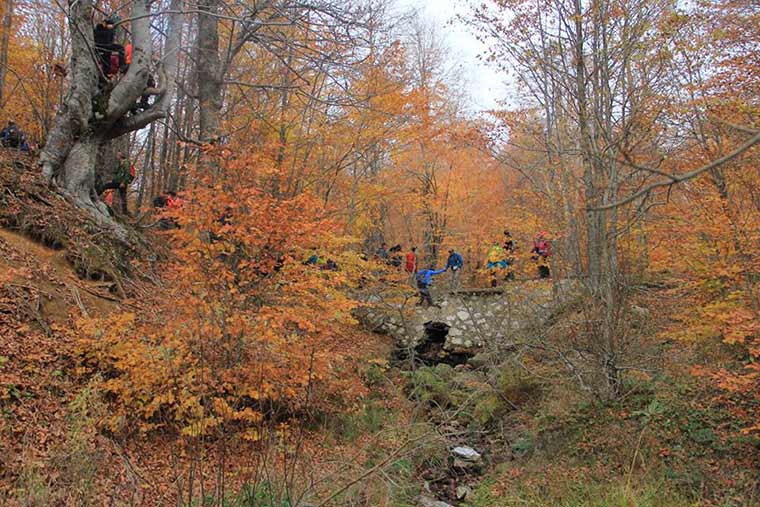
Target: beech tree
94,111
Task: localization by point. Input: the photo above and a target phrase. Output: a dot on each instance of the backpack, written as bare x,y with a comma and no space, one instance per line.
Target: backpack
128,54
543,247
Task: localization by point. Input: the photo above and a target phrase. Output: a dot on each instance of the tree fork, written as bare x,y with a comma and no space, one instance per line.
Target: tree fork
91,114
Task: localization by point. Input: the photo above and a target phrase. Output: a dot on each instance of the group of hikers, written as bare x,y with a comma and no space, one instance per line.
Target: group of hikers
500,261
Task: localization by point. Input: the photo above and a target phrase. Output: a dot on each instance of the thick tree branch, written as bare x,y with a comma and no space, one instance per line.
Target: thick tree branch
679,178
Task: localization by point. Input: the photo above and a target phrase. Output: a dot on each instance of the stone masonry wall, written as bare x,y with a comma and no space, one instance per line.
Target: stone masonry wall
475,317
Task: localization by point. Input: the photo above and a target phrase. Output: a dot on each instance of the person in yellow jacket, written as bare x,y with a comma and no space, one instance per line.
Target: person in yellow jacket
497,260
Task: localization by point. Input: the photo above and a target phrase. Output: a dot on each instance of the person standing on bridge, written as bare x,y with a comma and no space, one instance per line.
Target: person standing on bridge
497,260
542,250
509,250
424,281
455,263
410,265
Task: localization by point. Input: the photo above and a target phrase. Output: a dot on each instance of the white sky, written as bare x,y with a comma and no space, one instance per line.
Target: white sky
486,87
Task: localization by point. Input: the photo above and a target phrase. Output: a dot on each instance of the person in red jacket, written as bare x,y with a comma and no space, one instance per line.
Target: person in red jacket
411,262
542,250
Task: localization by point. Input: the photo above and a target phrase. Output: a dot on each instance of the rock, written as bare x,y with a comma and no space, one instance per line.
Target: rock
455,341
455,332
467,454
479,360
463,315
463,492
638,311
463,466
426,501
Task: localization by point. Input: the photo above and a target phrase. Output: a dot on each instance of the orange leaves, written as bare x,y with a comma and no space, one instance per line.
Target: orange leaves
245,327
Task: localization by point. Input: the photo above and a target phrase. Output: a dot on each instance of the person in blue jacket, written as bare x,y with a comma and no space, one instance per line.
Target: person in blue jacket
424,281
455,264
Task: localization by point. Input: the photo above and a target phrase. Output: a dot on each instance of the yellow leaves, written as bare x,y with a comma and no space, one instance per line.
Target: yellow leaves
200,427
251,434
248,415
222,409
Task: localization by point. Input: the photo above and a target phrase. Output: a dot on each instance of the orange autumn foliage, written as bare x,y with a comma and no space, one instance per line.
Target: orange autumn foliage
246,330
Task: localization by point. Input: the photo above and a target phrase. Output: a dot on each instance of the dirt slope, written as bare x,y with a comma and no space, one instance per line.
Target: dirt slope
56,266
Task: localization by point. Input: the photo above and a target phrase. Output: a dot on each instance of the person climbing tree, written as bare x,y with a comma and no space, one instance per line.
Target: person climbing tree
542,250
455,263
424,281
144,103
111,54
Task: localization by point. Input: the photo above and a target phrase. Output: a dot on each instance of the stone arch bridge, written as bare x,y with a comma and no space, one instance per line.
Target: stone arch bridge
469,319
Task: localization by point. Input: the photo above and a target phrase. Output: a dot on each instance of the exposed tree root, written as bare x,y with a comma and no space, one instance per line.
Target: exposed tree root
95,249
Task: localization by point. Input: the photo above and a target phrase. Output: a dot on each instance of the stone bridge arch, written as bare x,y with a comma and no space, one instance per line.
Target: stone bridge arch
476,318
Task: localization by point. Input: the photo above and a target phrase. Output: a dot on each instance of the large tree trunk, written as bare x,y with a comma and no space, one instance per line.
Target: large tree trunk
209,70
92,114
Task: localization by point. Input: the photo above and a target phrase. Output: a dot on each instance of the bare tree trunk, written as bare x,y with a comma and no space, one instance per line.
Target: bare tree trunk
4,43
208,70
150,153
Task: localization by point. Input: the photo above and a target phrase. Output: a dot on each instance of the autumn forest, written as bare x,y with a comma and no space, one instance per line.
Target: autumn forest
271,253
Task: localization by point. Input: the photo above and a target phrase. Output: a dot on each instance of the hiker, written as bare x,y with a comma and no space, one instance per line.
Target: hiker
108,199
12,136
455,263
173,201
111,54
424,281
395,256
330,265
144,103
497,259
169,201
382,252
411,261
509,249
313,260
123,177
509,243
542,250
